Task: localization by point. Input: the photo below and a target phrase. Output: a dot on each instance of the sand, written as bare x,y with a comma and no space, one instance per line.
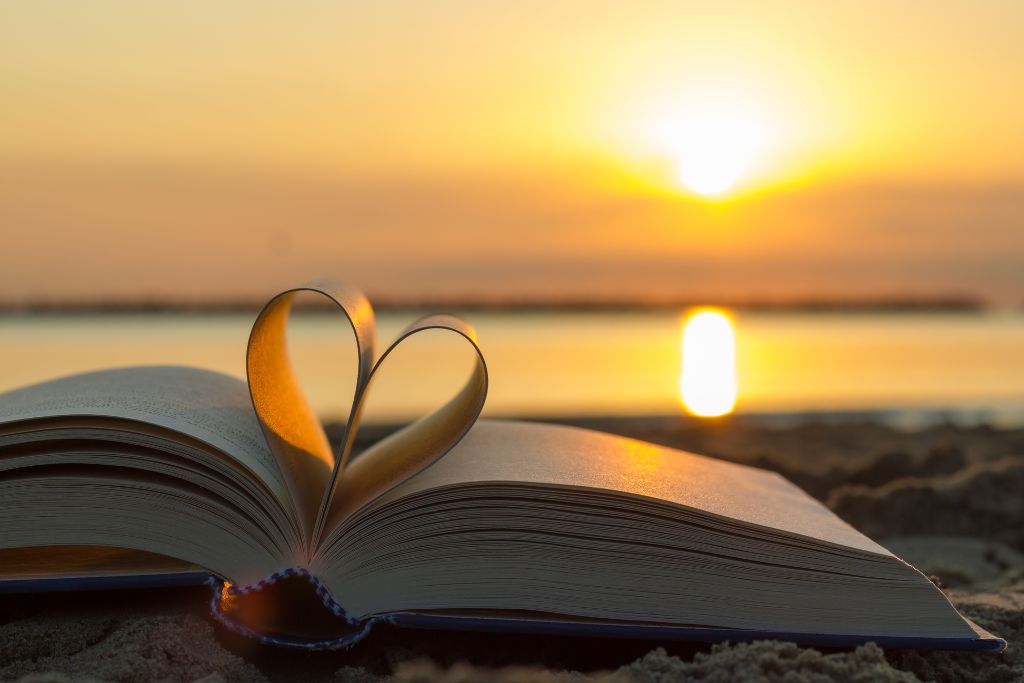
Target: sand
947,499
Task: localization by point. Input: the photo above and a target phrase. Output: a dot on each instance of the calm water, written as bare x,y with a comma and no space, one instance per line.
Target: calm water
551,364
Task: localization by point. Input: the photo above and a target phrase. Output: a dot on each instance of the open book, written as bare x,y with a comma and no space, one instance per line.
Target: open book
162,475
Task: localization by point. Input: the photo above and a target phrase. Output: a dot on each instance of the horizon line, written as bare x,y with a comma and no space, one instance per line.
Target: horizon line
872,304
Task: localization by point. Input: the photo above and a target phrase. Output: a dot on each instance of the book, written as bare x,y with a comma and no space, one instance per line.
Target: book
150,476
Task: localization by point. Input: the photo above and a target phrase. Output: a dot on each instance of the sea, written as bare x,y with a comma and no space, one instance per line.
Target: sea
907,368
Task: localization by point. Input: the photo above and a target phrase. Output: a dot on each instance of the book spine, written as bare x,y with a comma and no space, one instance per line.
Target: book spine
224,591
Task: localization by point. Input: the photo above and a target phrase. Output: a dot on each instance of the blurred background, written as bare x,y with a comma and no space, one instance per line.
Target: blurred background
656,209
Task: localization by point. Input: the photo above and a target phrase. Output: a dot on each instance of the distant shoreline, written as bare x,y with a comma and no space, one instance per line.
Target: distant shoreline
867,305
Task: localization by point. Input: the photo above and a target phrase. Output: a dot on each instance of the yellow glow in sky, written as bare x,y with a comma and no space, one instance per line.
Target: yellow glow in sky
716,147
718,136
707,383
402,87
851,149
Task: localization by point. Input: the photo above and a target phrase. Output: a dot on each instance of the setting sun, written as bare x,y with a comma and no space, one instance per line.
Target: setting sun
707,383
715,139
716,149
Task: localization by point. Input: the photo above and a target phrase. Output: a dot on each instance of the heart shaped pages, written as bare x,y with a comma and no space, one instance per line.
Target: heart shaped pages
324,486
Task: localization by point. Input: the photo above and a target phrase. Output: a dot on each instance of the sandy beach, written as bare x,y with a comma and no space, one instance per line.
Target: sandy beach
947,499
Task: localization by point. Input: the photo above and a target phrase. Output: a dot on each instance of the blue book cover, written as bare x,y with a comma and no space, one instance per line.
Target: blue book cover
351,631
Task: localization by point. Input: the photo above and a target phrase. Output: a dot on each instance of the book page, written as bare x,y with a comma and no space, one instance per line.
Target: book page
325,487
85,560
530,453
205,405
408,451
291,427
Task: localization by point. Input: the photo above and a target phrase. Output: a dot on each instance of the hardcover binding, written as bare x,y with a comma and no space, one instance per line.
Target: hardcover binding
556,627
222,592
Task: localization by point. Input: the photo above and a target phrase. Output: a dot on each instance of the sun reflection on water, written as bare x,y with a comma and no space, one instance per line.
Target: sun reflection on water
707,381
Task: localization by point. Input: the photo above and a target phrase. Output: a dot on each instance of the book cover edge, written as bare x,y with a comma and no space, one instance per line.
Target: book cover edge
985,641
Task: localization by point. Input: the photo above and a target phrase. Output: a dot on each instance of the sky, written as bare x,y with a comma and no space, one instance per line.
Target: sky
713,151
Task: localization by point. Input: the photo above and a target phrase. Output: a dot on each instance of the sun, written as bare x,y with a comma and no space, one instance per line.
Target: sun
715,143
716,149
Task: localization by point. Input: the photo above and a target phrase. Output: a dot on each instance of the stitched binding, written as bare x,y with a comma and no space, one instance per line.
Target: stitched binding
340,643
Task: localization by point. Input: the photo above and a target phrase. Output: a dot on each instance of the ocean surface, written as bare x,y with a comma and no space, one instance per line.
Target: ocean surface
908,366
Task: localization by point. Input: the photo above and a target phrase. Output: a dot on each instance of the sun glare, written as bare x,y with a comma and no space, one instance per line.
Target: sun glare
716,149
716,142
707,382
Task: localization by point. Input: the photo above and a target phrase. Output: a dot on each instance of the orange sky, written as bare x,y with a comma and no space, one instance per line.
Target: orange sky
205,150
